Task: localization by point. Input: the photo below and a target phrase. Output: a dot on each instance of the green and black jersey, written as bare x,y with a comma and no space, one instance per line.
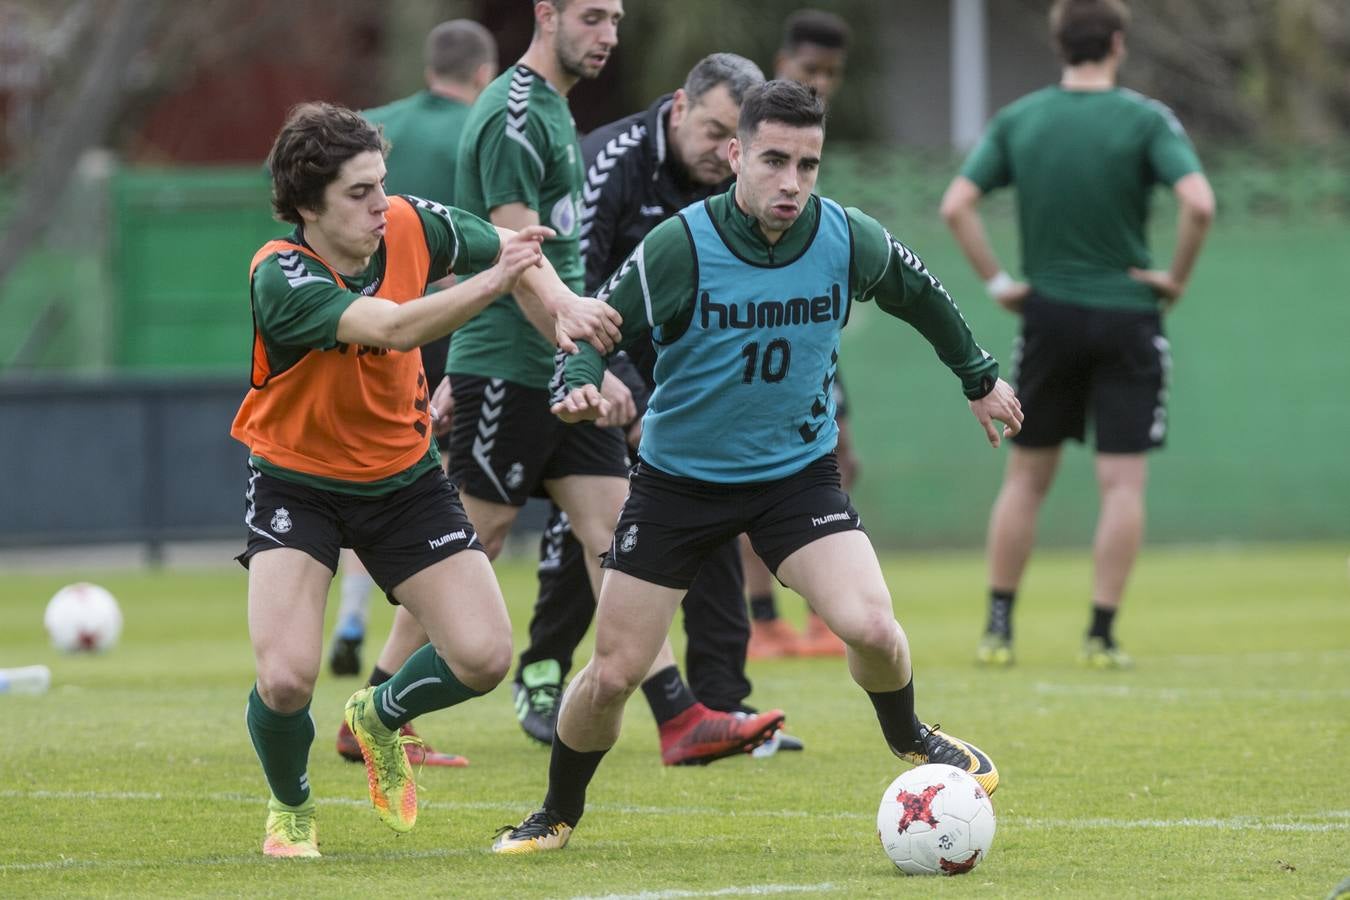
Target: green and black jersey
519,146
1084,164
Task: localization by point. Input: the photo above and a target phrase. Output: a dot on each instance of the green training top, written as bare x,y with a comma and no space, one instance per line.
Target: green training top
519,146
423,132
298,310
1085,164
657,286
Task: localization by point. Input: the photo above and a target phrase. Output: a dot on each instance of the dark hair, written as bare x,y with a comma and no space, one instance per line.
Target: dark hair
815,26
782,101
456,49
310,149
736,72
1082,29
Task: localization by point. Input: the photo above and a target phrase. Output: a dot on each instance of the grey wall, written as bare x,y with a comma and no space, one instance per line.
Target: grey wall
119,459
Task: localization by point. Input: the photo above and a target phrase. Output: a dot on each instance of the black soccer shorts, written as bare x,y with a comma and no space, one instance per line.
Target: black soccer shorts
505,443
1073,363
670,525
395,535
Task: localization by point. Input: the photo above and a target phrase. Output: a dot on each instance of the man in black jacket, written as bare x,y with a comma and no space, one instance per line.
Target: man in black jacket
641,170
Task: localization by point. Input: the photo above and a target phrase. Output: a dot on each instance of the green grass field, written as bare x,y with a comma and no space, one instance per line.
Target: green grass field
1216,769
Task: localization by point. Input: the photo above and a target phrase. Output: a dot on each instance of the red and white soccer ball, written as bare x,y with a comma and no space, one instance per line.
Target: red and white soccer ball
83,617
935,820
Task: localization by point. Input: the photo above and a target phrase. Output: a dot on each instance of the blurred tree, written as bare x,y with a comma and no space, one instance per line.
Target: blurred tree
1270,71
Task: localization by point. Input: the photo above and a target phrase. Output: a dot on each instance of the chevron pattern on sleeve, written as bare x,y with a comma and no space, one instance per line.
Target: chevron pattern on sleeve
517,112
297,273
432,206
598,174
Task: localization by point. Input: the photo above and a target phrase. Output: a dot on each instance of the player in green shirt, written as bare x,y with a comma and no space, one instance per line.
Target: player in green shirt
745,295
1085,156
520,164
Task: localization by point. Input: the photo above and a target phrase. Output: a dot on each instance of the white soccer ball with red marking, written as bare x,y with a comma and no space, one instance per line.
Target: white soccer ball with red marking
935,820
83,617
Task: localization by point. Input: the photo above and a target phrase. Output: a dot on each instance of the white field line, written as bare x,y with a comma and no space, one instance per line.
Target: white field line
1173,695
1327,821
1269,658
749,890
1314,822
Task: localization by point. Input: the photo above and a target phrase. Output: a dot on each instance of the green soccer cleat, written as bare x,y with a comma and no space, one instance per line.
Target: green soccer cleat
393,792
536,696
940,747
291,832
994,650
1096,654
542,830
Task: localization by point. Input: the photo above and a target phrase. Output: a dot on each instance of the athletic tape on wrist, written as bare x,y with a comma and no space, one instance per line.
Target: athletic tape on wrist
998,284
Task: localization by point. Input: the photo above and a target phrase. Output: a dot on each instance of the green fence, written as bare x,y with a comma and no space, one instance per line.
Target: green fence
181,253
1258,428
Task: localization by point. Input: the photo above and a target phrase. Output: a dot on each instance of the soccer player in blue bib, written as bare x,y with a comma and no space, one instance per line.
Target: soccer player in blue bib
745,295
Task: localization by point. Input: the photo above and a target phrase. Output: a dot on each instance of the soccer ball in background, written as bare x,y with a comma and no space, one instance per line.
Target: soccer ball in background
83,617
935,820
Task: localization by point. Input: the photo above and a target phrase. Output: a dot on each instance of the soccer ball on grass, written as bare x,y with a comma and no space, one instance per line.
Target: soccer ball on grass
935,820
83,617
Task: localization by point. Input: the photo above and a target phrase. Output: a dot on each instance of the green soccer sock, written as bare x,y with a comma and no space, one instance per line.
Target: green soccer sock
424,684
282,742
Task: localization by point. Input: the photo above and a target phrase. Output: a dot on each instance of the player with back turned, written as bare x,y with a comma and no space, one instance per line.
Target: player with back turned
1085,155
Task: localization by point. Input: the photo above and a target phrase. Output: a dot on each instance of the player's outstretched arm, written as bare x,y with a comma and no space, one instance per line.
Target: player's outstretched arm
581,404
376,322
999,405
553,309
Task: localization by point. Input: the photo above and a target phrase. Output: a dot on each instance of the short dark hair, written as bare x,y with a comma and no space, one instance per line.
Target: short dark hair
815,26
1082,29
456,49
310,149
736,72
782,101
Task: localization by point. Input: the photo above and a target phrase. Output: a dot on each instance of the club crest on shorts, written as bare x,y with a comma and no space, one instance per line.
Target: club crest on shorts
515,475
629,539
281,520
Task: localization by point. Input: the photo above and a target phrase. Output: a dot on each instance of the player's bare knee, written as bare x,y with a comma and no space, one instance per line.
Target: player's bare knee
612,682
284,689
484,668
875,633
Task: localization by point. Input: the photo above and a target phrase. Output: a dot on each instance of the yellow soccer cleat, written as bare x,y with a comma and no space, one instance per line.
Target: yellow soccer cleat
940,747
291,832
995,651
393,792
1097,655
541,830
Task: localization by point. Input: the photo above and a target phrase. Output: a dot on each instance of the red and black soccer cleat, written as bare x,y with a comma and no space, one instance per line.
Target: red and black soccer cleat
700,735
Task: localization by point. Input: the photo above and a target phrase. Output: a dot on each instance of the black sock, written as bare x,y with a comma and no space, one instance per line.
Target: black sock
569,772
763,608
1000,613
667,694
378,677
895,712
1102,619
